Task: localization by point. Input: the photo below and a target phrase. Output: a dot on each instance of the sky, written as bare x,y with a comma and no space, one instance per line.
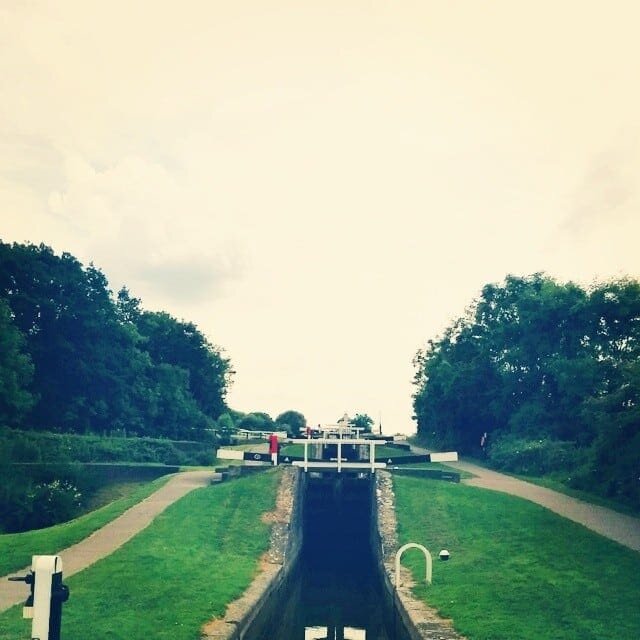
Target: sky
322,187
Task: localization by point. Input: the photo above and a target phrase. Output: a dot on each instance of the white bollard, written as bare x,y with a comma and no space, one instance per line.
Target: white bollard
44,604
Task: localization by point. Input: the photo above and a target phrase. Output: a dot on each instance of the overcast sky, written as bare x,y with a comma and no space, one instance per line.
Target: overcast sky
323,186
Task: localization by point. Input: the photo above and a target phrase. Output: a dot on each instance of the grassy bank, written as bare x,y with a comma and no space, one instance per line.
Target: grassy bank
557,481
551,482
517,571
195,558
34,446
16,549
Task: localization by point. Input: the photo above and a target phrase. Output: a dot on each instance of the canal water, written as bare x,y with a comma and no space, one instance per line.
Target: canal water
335,591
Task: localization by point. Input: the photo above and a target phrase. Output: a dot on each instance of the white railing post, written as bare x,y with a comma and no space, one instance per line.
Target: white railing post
427,556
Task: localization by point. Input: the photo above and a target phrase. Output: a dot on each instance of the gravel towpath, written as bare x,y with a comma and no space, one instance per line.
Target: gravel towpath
611,524
105,541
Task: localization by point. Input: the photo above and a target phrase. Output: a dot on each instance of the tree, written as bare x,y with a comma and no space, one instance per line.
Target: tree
79,350
516,361
536,361
16,371
224,425
169,341
99,364
128,308
256,421
362,421
293,422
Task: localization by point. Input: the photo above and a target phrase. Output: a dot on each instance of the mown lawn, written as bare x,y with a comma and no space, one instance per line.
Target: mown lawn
196,557
553,482
16,549
517,571
557,481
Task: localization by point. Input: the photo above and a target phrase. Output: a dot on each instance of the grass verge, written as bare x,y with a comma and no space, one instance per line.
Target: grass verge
16,549
556,483
439,466
197,556
517,571
585,496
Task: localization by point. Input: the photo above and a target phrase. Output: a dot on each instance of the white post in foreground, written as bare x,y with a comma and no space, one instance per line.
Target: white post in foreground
44,604
427,556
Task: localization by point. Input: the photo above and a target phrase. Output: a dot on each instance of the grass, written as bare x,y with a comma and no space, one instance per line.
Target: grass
196,557
439,466
16,549
554,481
517,571
112,492
557,485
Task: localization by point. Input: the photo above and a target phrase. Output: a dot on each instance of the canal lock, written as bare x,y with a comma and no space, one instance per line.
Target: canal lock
333,585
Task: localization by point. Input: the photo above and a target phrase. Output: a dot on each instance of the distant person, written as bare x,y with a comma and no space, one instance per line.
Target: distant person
274,448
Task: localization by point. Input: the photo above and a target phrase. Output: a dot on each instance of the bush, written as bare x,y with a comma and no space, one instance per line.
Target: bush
36,495
39,486
27,446
532,457
52,502
38,499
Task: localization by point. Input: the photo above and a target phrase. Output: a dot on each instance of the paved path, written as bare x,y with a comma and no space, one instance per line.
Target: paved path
113,535
616,526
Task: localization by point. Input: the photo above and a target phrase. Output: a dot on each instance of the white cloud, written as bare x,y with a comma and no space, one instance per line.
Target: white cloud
321,187
610,190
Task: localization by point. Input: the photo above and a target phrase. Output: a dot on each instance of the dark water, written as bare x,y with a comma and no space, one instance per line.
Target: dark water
335,591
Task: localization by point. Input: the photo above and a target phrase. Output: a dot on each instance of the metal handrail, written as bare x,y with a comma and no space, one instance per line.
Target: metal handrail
427,556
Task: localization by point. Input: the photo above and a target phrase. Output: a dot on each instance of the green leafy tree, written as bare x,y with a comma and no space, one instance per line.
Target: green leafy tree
79,350
541,367
256,421
515,361
225,426
98,364
16,371
362,421
293,422
128,308
170,341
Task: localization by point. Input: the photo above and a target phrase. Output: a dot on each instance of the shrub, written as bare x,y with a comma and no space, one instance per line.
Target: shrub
54,501
532,457
27,446
36,495
26,504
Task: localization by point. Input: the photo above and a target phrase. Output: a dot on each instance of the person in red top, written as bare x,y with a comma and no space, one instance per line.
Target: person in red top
274,448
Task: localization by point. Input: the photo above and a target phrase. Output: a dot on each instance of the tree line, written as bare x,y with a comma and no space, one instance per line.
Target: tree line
75,358
542,377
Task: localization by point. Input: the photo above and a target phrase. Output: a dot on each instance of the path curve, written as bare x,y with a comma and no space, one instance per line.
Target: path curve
611,524
106,540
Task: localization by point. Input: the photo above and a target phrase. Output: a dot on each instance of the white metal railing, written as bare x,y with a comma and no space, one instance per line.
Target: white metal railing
340,462
247,434
427,556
